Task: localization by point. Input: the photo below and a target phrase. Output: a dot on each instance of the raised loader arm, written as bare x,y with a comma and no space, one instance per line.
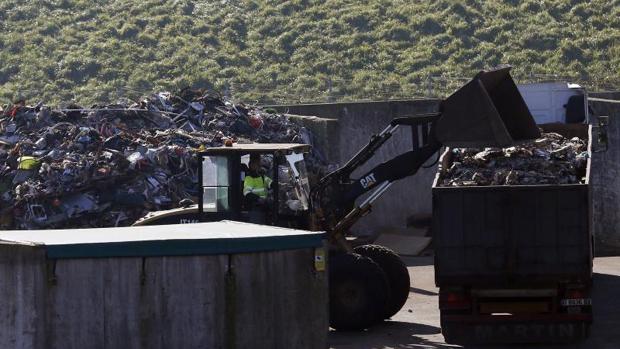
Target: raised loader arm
336,192
486,112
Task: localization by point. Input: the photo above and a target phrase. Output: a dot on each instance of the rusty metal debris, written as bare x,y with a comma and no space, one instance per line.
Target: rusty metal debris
551,159
108,165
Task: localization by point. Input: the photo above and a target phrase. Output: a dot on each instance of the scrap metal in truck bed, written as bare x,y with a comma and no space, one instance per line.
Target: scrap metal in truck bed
513,262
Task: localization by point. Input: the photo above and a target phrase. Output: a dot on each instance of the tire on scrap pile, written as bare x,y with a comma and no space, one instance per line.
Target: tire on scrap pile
358,292
395,270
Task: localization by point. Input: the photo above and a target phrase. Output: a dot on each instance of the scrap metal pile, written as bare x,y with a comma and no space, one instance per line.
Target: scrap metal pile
551,159
108,165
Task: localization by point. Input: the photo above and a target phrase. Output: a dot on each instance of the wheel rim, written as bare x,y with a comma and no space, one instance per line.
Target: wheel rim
349,294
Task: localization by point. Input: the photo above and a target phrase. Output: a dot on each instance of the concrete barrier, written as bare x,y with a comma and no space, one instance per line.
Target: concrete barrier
606,179
207,285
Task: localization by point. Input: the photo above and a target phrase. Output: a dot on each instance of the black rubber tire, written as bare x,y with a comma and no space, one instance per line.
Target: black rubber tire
395,270
358,292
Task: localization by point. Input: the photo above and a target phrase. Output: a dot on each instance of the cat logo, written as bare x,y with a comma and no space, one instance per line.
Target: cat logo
368,181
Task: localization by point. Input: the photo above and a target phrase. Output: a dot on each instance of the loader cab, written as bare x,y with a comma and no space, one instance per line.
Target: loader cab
222,174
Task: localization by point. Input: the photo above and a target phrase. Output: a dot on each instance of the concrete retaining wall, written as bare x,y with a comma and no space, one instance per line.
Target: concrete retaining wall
606,180
356,122
254,300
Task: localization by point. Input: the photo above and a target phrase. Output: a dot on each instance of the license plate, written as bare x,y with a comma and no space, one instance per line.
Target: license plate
574,302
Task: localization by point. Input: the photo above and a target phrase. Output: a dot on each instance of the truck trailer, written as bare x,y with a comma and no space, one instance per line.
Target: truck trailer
513,263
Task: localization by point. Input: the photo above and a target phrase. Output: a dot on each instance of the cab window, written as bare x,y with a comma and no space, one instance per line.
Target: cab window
215,184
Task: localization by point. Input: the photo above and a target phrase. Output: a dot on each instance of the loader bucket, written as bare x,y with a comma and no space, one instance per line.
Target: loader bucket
487,112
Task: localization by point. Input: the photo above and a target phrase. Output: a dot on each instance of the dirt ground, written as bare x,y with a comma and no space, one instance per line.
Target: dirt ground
417,324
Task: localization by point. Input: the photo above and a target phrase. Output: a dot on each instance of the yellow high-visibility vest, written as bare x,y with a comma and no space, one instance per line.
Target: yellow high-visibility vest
256,185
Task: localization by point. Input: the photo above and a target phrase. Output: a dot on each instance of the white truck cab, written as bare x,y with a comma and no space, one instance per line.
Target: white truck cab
556,102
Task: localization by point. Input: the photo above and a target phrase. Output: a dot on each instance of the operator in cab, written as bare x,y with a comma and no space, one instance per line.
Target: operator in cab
256,187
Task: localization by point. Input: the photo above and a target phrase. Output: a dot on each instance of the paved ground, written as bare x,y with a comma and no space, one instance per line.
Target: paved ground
417,324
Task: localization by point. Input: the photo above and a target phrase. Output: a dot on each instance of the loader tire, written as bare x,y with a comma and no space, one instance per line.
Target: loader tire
396,272
358,292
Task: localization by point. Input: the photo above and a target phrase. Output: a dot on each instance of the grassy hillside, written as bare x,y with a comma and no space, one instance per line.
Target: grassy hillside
59,50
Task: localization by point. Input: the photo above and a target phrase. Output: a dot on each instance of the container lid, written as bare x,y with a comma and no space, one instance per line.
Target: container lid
225,237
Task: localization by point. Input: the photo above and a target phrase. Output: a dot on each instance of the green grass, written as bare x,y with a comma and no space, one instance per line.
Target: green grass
267,51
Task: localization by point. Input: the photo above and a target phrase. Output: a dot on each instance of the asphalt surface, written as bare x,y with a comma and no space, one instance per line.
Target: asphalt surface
417,323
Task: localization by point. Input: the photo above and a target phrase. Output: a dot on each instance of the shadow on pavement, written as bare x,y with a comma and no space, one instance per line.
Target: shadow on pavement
606,309
391,334
422,292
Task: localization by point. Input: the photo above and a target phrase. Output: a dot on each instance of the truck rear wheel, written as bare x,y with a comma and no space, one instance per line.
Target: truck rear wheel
358,292
396,272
